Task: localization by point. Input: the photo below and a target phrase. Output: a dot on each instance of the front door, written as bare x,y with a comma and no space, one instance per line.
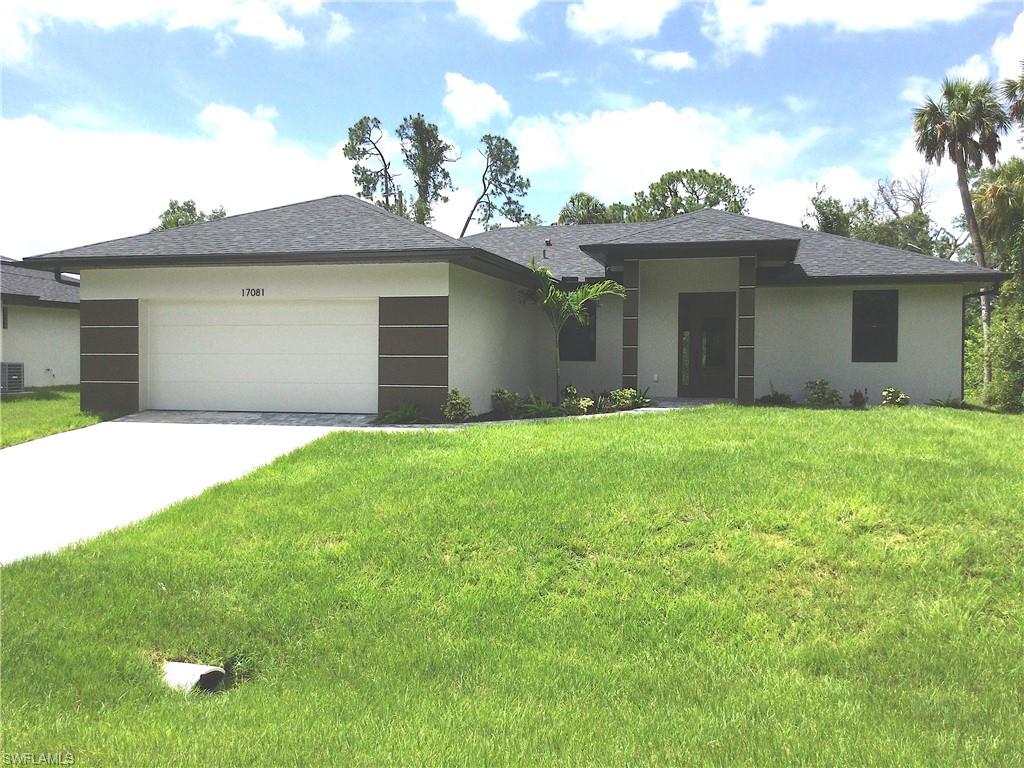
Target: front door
707,344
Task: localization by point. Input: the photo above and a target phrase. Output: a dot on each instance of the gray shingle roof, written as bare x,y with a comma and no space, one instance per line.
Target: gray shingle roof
34,284
338,224
819,256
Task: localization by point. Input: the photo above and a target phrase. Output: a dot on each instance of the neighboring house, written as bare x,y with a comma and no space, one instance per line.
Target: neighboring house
40,324
335,305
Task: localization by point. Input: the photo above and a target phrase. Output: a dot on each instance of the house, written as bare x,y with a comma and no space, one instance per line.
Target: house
335,305
39,341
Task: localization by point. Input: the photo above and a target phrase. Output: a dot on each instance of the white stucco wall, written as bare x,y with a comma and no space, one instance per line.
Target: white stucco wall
46,340
605,372
807,333
495,340
661,282
279,282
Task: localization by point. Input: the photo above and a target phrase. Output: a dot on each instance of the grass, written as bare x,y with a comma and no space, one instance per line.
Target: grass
720,586
41,412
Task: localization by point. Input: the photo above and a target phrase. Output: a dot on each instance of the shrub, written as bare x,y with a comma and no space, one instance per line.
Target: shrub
457,407
859,399
822,394
538,408
774,398
506,404
1006,390
948,402
893,396
406,413
577,406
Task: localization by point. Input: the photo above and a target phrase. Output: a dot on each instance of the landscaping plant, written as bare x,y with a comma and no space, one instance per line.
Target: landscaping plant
506,404
858,399
457,407
893,396
406,413
822,394
573,404
559,305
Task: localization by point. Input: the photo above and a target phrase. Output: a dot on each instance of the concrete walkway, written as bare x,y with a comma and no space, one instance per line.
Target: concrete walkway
64,488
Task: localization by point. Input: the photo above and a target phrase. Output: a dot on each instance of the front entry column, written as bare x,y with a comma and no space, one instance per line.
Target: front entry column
745,331
630,323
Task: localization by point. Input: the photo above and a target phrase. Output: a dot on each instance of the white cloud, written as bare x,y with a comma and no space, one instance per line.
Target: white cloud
135,173
975,68
499,18
745,25
339,30
22,20
613,153
673,61
471,103
797,104
603,20
916,89
564,78
1008,50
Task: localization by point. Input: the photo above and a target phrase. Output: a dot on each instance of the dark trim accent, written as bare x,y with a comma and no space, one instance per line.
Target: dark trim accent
422,371
609,253
631,274
429,399
745,303
745,361
745,391
805,282
630,331
109,368
110,312
413,310
748,272
630,380
109,397
413,341
631,304
745,331
109,340
629,361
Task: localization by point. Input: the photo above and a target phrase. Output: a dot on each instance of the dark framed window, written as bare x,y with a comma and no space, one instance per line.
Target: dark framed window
579,342
875,326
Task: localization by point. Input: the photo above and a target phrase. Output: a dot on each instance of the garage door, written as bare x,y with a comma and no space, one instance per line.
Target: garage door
261,355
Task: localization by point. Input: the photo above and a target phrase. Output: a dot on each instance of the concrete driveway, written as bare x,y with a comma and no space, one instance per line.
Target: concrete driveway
64,488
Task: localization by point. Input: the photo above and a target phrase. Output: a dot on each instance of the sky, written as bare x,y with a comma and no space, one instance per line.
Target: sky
108,109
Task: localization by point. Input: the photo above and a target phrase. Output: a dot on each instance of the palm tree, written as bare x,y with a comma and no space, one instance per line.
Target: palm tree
583,208
559,305
965,124
1013,92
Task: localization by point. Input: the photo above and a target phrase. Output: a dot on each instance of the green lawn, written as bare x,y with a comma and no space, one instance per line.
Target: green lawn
41,412
722,585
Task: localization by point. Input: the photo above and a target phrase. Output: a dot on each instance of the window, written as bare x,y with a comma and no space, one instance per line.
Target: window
714,347
5,318
579,342
875,326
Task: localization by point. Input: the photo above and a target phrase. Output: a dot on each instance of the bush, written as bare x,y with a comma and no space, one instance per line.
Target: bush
1006,390
538,408
506,404
822,394
406,413
457,407
893,396
574,405
774,398
948,402
858,399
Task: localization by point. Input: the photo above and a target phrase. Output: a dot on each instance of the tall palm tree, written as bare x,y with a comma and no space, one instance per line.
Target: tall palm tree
559,305
965,124
1013,92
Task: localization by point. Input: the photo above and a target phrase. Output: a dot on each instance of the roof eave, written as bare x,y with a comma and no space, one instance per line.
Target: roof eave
952,277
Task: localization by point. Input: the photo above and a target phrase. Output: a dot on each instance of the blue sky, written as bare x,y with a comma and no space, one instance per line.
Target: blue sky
111,108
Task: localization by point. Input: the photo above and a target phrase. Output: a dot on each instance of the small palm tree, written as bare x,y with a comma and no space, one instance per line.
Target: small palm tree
559,305
1013,92
964,124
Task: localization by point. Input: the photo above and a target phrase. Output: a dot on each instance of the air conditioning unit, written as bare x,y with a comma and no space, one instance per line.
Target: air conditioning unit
12,377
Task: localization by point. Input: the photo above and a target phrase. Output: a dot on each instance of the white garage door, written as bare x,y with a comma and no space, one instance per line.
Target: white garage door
261,355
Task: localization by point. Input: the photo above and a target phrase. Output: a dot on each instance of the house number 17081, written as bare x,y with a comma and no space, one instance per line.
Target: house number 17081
253,292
